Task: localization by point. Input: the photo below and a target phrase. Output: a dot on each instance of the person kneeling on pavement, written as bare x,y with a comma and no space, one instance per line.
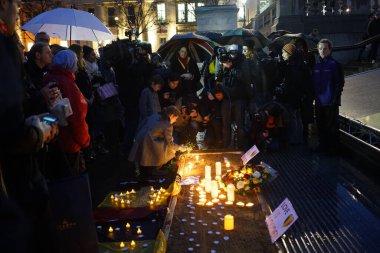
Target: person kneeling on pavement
153,145
268,130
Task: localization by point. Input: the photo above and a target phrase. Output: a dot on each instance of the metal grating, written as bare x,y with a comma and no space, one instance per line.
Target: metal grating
331,217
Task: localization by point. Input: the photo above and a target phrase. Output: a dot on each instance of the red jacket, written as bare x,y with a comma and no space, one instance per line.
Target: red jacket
74,136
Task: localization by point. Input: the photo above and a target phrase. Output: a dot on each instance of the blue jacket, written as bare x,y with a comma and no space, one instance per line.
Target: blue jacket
328,80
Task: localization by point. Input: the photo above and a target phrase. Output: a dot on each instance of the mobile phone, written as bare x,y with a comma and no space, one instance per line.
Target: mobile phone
49,119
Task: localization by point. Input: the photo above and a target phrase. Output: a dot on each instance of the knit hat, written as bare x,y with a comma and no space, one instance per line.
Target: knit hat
289,48
66,59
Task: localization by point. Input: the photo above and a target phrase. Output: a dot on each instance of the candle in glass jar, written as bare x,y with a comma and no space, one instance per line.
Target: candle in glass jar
214,189
208,171
228,222
231,193
218,169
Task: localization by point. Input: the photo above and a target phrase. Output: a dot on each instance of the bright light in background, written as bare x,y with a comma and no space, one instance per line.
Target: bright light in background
348,10
243,1
29,46
116,18
64,43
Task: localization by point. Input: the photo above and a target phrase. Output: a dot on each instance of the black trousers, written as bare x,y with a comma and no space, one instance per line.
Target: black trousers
328,127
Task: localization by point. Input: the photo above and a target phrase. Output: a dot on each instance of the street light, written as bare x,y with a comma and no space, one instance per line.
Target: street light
244,2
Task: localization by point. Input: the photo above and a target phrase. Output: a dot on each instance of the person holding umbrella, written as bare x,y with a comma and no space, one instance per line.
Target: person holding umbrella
184,65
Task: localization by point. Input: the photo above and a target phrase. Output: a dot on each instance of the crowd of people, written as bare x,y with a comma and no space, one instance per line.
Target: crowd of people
60,107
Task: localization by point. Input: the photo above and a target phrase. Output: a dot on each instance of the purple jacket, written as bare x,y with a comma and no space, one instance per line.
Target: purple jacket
328,80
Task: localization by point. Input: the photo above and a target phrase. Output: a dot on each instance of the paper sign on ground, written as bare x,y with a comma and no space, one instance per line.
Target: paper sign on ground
252,152
281,219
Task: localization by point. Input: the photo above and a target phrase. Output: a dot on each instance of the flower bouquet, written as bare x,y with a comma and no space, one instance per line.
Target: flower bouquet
248,178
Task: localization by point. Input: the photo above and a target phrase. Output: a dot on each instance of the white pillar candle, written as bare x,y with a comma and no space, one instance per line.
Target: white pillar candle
208,171
231,193
214,189
218,169
228,222
197,158
208,185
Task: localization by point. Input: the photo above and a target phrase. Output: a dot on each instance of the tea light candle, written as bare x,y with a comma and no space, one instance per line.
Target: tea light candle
208,171
122,245
231,192
218,169
133,244
229,203
222,196
110,230
214,189
128,226
139,231
215,200
250,204
240,204
209,203
228,222
201,203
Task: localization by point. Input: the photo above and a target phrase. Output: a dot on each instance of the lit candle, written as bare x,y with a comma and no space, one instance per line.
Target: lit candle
110,230
116,199
240,204
199,189
128,202
128,226
208,185
151,203
127,193
231,192
133,191
209,203
197,158
133,244
122,245
228,222
218,169
201,203
214,189
152,189
215,200
222,196
228,165
112,197
139,231
122,201
202,200
249,204
228,203
162,190
208,171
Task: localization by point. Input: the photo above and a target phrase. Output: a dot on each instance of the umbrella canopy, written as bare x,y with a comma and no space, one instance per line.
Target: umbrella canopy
277,44
69,24
200,47
272,36
238,36
214,36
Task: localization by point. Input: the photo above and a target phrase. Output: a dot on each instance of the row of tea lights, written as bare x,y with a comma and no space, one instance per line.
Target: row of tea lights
126,198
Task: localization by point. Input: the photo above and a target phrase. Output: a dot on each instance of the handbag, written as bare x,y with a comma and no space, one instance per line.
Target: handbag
107,90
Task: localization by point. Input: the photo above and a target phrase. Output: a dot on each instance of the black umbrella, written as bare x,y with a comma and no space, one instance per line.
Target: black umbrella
200,48
211,35
238,36
272,36
278,43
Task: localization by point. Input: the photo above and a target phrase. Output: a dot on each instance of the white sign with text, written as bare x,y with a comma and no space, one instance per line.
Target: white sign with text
252,152
281,219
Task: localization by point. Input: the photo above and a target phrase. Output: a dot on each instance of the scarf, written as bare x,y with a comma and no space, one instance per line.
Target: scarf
184,62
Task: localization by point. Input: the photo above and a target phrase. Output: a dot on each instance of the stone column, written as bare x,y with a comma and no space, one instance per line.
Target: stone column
219,18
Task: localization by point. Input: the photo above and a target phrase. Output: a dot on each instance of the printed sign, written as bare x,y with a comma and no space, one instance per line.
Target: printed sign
252,152
280,220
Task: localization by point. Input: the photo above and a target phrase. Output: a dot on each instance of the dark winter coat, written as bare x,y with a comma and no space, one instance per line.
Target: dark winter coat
328,80
296,81
35,102
153,144
237,80
188,86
